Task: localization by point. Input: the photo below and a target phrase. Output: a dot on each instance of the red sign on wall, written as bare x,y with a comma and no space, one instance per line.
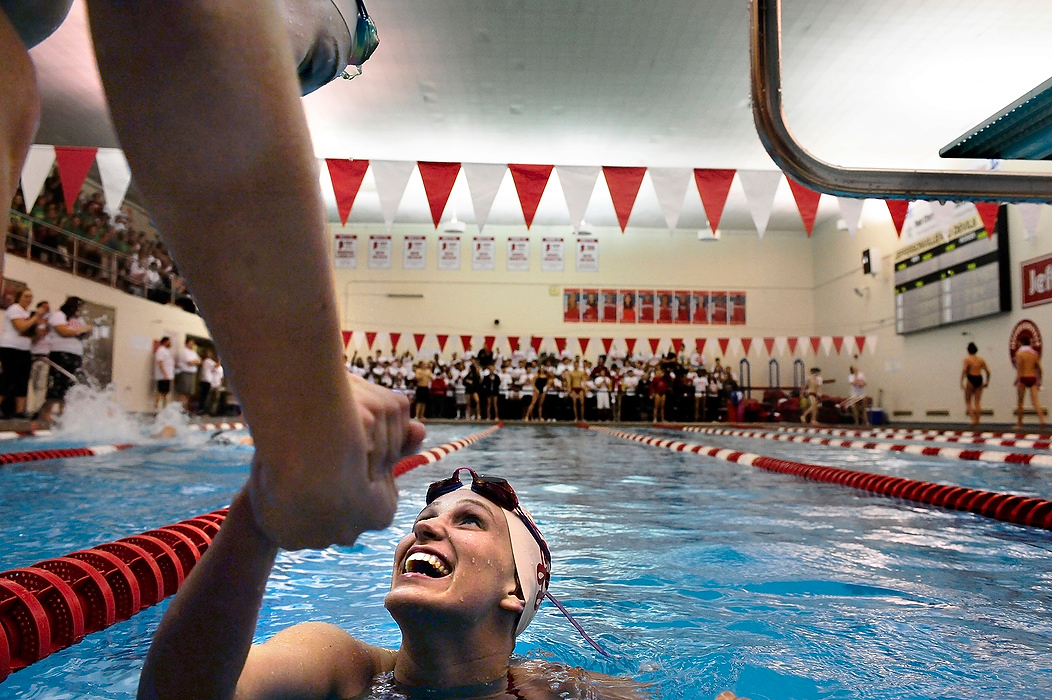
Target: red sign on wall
1037,281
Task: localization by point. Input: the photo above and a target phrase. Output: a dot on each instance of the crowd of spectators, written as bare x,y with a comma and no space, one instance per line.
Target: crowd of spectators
532,387
91,243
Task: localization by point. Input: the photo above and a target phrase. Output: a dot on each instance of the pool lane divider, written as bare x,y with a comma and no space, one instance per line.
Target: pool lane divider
915,433
1036,460
59,453
53,604
1019,510
960,438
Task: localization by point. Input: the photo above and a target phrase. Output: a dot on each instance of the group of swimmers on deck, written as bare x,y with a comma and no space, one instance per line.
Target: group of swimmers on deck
975,377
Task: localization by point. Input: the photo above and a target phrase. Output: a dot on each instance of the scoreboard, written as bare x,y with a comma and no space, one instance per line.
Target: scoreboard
952,269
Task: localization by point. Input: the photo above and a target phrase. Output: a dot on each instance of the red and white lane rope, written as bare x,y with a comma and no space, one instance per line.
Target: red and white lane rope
1037,460
916,433
219,426
941,436
59,453
1021,510
14,434
53,604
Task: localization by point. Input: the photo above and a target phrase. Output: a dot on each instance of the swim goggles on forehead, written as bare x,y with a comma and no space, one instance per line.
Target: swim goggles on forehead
364,41
499,491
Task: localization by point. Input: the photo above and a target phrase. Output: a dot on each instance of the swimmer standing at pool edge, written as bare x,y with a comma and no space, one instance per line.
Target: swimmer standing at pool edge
1028,376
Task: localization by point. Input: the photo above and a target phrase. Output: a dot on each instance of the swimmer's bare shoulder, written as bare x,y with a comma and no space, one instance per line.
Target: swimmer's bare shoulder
541,680
312,660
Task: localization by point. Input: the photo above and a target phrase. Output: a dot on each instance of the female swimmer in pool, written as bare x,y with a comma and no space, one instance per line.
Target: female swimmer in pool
467,580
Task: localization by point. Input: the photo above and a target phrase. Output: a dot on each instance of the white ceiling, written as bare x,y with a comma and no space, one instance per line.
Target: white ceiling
621,82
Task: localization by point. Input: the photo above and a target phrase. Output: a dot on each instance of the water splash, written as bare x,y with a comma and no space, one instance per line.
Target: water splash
94,416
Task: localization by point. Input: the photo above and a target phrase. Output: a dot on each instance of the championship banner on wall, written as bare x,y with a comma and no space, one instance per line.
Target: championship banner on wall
518,253
587,255
484,253
380,252
414,253
345,251
554,257
449,252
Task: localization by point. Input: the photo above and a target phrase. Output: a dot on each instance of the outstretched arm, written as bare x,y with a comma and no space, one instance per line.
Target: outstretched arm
206,103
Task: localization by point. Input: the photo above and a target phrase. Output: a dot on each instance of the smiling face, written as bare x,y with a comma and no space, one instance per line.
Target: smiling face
456,563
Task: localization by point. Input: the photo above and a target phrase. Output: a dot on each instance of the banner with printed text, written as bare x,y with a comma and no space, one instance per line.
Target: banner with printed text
587,254
484,253
449,252
345,251
553,258
414,253
518,259
379,252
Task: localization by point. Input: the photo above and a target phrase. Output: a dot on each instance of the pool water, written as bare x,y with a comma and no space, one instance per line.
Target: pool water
699,575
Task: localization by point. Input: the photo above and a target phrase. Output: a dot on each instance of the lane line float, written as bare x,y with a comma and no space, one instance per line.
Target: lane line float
1042,444
62,453
920,450
1019,510
919,431
53,604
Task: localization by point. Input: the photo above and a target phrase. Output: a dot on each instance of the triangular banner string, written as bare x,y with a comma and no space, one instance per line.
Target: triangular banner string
791,342
746,344
760,187
346,336
465,343
578,183
898,209
677,345
560,345
724,342
391,177
346,176
438,181
815,343
699,345
630,343
115,175
442,340
851,210
827,344
607,343
713,186
988,212
623,183
513,343
860,343
37,167
1030,212
769,344
530,181
535,343
74,162
654,342
670,185
418,339
838,343
583,342
807,202
487,342
484,181
370,338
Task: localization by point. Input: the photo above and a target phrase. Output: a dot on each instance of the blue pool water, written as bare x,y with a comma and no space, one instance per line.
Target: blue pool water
700,575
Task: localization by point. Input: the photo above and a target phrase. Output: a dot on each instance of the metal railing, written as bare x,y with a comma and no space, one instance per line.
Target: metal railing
84,257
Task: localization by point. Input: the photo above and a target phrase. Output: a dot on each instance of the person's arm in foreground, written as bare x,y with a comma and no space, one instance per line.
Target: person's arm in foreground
206,103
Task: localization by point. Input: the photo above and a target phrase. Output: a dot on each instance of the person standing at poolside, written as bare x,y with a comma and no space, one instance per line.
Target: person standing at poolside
163,372
975,376
857,381
812,389
1028,377
67,335
16,341
575,379
187,361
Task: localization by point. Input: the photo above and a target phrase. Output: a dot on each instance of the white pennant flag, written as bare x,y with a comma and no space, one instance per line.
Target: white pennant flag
484,180
851,210
1031,214
35,171
827,343
781,343
578,182
871,343
391,178
760,187
116,176
943,213
671,184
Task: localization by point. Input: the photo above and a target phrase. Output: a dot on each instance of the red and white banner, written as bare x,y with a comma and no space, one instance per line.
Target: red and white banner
449,252
483,253
1037,281
345,251
587,254
438,181
518,259
380,252
414,253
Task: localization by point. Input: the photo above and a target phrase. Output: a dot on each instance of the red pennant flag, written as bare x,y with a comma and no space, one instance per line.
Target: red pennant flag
583,342
988,213
677,345
815,342
535,343
74,163
838,342
488,342
630,343
395,337
699,343
654,345
746,344
623,184
792,345
370,336
442,342
898,209
513,343
607,342
860,342
465,342
346,176
418,338
438,183
807,202
530,181
724,342
346,335
769,343
560,345
713,186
